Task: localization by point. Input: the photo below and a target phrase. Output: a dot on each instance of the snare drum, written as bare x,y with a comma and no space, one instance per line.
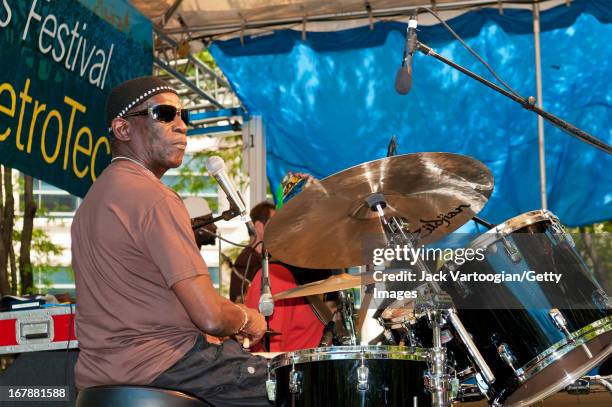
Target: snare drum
536,337
351,376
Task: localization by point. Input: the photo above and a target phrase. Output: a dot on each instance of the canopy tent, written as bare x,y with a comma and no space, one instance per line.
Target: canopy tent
327,100
215,18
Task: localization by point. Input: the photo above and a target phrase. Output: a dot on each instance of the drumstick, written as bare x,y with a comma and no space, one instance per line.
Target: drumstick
246,343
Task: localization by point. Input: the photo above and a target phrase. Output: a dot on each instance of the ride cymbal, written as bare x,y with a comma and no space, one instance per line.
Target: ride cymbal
330,225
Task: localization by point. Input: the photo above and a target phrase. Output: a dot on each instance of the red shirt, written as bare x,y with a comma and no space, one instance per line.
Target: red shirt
292,318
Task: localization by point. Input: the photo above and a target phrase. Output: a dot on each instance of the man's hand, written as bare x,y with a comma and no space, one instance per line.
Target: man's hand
255,328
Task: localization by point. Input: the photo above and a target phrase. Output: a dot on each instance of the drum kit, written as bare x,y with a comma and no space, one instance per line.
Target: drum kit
509,342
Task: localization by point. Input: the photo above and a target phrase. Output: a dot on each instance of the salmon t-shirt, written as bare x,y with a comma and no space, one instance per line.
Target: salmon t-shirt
131,242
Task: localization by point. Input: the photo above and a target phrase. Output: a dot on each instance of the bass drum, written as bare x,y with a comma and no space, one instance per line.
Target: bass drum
537,337
351,376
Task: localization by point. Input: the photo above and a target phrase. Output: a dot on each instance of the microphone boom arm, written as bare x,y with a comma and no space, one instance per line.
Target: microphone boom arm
225,215
528,103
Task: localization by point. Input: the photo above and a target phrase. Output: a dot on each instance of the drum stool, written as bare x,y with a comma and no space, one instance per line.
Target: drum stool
135,396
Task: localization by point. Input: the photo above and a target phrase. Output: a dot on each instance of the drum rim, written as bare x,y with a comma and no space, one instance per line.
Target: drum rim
564,346
551,355
354,352
504,229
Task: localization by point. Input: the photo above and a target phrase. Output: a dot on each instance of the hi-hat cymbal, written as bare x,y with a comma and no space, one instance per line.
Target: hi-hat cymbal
330,284
330,225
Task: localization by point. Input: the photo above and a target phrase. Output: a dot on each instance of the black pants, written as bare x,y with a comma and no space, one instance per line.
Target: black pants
222,375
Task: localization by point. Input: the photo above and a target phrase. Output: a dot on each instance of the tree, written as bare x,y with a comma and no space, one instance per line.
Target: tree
29,211
7,223
594,243
16,272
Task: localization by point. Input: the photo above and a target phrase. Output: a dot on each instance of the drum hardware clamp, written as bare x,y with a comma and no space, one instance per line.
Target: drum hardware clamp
583,385
442,386
437,299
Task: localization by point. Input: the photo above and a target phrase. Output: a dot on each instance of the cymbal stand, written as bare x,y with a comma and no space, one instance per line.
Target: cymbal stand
345,306
441,301
437,378
439,309
440,379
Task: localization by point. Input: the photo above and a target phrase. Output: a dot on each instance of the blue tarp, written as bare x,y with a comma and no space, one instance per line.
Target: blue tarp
329,102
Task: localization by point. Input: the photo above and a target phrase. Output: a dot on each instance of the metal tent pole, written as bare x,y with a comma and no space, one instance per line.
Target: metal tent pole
538,63
254,141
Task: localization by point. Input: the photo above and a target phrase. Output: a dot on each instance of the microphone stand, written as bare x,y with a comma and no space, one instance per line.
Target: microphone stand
265,292
392,147
483,222
529,103
228,214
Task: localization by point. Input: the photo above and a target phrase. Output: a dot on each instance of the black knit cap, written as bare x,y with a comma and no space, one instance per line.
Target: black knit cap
131,93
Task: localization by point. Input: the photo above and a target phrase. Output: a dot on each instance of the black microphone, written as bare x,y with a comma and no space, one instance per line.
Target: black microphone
403,79
216,167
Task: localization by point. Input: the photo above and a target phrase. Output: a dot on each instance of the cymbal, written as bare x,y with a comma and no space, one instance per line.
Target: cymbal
330,225
330,284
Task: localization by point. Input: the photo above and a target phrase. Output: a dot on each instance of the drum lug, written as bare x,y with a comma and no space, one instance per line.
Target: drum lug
560,234
271,389
559,320
507,356
603,301
295,381
511,250
561,324
362,377
271,385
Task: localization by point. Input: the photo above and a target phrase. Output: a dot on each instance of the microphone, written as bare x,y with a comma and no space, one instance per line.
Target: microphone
266,302
403,79
216,167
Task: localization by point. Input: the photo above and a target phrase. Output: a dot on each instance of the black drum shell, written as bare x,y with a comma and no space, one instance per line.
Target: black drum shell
333,383
501,314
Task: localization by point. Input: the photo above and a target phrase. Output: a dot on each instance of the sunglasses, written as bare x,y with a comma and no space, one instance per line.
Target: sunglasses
162,113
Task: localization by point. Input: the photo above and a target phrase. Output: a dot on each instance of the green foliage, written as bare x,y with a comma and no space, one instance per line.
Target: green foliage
43,247
42,252
594,243
191,179
208,59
